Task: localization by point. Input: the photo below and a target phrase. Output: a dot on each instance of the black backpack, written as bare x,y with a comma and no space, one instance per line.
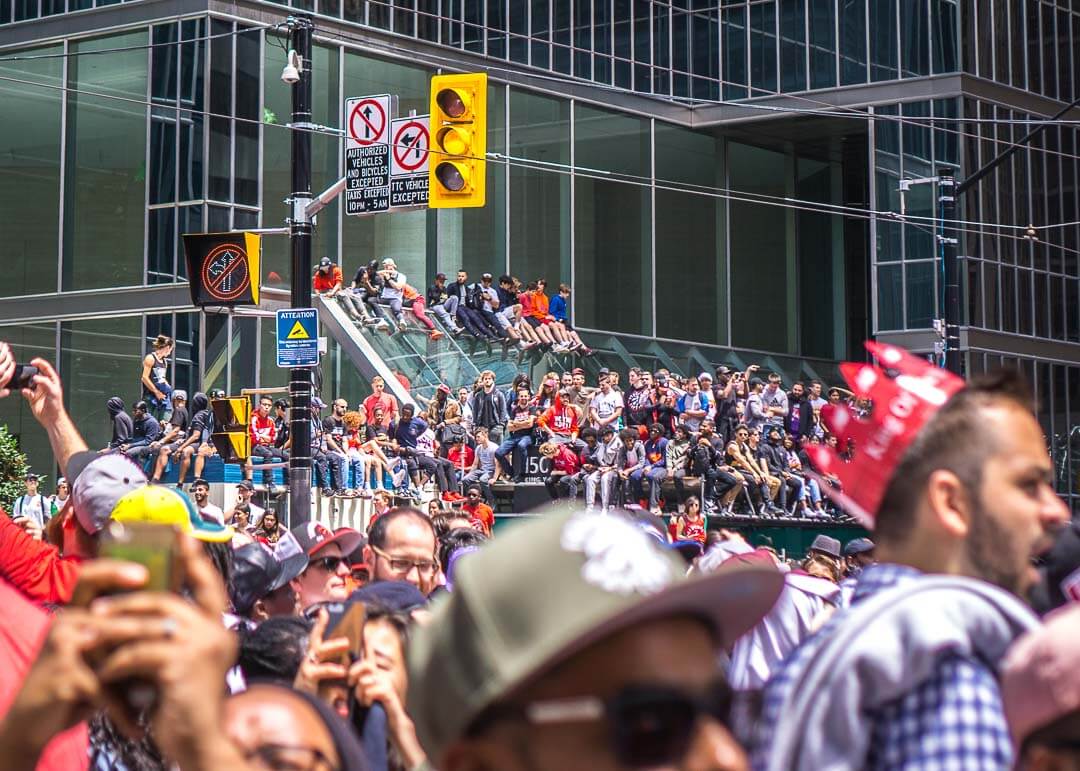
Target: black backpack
475,298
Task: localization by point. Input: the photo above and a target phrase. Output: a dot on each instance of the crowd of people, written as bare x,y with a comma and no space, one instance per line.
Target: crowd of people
736,442
149,630
510,312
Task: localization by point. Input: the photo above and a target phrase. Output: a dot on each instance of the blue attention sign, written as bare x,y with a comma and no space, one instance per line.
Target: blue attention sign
298,337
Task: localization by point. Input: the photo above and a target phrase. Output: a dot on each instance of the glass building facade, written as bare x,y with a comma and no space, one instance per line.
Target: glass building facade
719,181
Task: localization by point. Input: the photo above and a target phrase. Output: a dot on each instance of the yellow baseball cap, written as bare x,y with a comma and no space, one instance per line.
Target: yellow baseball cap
165,506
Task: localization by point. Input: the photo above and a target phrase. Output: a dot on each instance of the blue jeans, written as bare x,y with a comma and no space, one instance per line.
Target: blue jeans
656,478
507,449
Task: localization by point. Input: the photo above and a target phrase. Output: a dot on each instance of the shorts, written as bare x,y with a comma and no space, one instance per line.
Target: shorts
172,447
533,322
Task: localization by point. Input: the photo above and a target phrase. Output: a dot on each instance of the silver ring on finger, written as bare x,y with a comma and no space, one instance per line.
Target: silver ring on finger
169,627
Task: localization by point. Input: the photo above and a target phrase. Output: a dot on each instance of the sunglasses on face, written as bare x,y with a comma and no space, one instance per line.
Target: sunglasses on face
649,725
329,564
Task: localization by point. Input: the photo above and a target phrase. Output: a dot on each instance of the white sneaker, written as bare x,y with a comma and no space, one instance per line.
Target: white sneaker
402,326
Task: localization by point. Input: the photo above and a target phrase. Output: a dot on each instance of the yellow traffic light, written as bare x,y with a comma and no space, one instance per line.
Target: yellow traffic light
230,436
456,172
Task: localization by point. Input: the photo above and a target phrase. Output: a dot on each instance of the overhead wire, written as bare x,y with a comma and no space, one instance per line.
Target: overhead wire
819,207
824,109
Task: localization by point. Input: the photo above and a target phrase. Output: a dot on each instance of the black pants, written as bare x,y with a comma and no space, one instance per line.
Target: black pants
439,469
473,322
270,454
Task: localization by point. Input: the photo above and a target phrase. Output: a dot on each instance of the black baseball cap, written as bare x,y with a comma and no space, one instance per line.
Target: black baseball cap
257,572
441,275
325,263
858,546
247,484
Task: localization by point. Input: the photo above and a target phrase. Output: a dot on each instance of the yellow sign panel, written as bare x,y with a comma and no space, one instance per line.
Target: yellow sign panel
298,332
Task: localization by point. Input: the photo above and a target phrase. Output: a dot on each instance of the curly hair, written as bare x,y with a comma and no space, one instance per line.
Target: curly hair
353,420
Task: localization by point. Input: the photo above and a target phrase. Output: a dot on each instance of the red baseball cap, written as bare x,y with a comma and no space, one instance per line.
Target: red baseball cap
314,537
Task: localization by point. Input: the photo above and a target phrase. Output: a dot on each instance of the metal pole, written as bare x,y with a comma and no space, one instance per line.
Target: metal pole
951,268
300,239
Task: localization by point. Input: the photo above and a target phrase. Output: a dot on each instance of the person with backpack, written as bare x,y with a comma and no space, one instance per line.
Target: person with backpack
31,509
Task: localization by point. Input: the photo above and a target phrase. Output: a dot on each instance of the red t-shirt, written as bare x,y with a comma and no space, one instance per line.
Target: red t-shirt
324,282
693,531
21,635
481,517
388,404
461,457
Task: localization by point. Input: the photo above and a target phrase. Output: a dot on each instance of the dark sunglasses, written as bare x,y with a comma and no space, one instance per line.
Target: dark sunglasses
329,564
649,725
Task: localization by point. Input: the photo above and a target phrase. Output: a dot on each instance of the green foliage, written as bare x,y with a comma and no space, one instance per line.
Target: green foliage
13,468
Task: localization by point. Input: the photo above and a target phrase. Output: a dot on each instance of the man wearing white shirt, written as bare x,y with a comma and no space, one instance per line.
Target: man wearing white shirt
393,288
606,407
200,490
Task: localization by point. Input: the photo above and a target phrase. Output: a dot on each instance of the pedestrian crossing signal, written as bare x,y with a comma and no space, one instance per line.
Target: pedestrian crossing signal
457,171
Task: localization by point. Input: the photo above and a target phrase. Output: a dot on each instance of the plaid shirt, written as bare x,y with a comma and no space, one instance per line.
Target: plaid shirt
951,722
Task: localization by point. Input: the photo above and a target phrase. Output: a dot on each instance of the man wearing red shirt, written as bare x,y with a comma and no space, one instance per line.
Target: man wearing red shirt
381,399
263,432
561,422
327,280
461,455
481,516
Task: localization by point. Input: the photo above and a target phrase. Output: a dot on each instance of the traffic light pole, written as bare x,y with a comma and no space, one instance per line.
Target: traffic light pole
300,232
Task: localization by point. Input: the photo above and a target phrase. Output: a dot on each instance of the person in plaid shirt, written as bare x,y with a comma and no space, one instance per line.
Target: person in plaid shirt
961,500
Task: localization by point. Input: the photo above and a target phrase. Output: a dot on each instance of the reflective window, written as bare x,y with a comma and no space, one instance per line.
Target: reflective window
105,191
822,22
104,357
28,341
540,194
612,266
690,262
760,276
30,135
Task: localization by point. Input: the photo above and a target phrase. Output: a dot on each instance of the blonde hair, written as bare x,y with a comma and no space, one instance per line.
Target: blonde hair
547,448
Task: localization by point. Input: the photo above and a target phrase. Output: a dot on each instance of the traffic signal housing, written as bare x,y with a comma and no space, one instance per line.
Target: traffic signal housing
230,437
457,170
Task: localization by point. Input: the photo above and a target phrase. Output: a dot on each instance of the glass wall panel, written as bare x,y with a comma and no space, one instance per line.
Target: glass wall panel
539,196
852,41
820,247
612,272
920,294
325,157
28,341
890,305
763,46
482,245
611,141
690,282
914,40
30,172
823,44
759,252
883,40
100,358
105,190
792,46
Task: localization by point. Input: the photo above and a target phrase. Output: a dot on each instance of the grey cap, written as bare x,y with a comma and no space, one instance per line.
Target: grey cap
502,627
98,482
179,394
318,403
756,381
826,545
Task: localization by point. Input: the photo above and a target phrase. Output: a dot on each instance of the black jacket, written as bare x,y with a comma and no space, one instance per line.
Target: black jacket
806,416
123,426
435,295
